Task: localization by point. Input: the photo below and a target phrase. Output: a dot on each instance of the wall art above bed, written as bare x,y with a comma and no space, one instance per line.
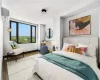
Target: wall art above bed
80,26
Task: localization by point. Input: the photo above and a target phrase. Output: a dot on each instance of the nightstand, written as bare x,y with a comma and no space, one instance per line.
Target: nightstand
50,51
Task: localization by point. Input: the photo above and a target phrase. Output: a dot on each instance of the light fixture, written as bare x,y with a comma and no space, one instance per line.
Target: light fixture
9,30
43,11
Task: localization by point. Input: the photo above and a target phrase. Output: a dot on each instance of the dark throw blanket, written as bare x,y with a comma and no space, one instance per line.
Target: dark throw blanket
77,67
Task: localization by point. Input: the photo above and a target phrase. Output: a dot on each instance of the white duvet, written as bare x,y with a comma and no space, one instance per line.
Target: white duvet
50,71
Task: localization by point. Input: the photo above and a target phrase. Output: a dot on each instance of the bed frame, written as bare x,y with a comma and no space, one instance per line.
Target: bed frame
84,40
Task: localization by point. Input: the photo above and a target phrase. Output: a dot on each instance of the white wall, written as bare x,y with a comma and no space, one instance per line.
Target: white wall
41,34
6,34
61,25
40,19
1,43
49,24
99,36
56,31
94,21
27,47
30,46
61,31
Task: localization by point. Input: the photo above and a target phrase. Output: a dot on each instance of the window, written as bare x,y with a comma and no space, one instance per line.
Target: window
22,33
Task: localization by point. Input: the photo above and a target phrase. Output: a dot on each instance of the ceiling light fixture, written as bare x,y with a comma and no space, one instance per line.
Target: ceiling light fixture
43,11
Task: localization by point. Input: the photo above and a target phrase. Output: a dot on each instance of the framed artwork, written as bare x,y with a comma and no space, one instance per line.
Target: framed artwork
80,26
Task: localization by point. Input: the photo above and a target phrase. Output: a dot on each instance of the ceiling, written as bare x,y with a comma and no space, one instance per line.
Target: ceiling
32,8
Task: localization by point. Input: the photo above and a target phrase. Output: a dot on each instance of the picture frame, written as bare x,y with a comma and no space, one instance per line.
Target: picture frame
80,26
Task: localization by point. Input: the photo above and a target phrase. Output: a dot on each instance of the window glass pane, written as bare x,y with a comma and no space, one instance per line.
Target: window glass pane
13,33
33,34
24,33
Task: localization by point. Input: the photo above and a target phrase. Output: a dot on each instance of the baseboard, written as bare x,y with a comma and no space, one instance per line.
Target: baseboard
30,51
5,56
39,50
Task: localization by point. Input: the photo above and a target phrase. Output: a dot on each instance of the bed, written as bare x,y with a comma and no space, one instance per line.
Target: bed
50,71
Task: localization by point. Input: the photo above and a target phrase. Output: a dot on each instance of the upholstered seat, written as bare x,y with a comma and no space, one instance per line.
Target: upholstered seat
44,49
18,50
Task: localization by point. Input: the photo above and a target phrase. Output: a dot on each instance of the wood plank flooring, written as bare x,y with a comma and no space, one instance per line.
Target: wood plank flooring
5,71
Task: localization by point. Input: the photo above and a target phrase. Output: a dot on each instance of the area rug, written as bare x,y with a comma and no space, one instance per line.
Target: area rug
22,69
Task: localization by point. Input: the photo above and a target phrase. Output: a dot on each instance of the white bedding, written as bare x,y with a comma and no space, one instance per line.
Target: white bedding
50,71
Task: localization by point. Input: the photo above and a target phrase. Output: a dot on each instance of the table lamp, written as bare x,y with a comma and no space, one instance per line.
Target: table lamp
54,44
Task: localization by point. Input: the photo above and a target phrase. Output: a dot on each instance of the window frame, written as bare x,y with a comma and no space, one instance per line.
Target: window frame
17,31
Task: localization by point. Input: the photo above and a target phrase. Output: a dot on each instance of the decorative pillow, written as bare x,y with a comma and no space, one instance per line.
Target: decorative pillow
70,48
75,50
65,46
12,44
82,45
84,49
91,49
78,50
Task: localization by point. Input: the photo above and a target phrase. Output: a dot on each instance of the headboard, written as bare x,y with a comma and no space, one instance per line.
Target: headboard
84,40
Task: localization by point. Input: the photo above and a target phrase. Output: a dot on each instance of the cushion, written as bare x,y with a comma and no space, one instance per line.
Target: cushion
75,50
78,50
91,49
69,48
18,51
65,46
84,49
82,45
12,44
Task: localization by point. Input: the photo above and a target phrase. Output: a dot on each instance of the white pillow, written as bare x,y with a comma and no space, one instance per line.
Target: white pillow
91,49
82,45
65,45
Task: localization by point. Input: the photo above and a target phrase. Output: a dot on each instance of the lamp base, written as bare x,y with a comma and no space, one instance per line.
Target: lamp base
53,48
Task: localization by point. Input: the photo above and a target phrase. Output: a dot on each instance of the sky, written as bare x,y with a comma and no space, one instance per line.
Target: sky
24,30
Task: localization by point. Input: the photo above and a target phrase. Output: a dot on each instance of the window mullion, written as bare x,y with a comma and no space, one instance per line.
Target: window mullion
35,33
17,32
10,32
31,33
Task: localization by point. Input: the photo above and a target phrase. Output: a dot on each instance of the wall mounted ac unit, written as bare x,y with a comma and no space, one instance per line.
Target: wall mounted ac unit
4,12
